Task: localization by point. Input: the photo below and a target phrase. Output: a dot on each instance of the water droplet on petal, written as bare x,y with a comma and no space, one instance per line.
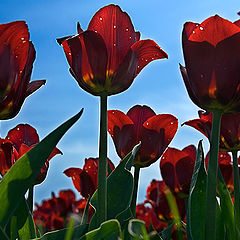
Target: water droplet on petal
18,128
114,44
193,32
127,29
147,123
130,37
114,26
100,18
201,28
95,31
22,38
202,76
171,123
113,112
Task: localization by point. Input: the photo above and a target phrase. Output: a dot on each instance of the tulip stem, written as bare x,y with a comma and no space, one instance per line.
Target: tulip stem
30,198
102,169
210,230
236,188
135,190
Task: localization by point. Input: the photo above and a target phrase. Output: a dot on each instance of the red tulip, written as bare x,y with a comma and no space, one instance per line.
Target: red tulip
212,72
229,131
148,215
141,124
54,213
106,58
177,169
226,166
20,140
85,180
156,192
17,55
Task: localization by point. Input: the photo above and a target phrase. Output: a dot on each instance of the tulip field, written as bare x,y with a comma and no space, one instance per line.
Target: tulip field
197,196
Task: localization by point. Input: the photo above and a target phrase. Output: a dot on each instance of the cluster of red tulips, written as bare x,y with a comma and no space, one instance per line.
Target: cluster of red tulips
198,197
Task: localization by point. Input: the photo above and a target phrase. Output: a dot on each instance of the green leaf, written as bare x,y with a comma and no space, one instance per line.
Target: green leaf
227,208
3,235
20,177
119,189
26,226
197,197
85,213
137,229
109,230
77,232
166,234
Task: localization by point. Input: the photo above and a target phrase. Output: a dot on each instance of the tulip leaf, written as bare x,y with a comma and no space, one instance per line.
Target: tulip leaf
25,224
3,235
227,208
109,230
197,197
119,189
22,174
77,232
166,234
137,229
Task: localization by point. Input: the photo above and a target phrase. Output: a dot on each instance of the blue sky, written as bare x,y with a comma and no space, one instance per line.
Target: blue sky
159,85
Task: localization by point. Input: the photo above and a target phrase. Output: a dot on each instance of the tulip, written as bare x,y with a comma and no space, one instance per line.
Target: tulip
212,74
19,141
86,180
107,57
17,55
141,124
229,130
177,169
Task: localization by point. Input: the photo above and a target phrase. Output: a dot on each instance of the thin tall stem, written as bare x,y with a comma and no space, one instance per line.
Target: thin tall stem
135,190
30,198
236,188
102,169
210,230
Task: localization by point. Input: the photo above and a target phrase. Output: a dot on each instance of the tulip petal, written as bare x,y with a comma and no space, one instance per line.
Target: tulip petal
213,30
81,181
116,29
33,86
121,129
139,114
147,51
87,57
23,133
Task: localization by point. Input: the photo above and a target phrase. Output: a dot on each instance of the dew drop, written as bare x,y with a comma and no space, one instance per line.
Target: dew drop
100,18
113,112
221,155
171,123
109,130
114,26
127,29
95,31
69,54
202,76
138,66
18,128
130,37
22,38
201,28
193,32
147,123
146,60
114,44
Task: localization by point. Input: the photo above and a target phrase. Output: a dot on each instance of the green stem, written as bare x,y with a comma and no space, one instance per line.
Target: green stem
236,188
102,169
135,190
30,198
210,230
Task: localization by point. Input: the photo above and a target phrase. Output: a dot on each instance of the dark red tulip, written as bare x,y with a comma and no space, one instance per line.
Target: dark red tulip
156,195
106,58
141,124
19,141
85,180
8,155
148,215
177,169
229,131
17,55
226,166
212,72
54,213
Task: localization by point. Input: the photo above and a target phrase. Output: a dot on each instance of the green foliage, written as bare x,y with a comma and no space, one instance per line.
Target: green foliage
20,177
166,234
197,197
76,233
109,230
119,189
